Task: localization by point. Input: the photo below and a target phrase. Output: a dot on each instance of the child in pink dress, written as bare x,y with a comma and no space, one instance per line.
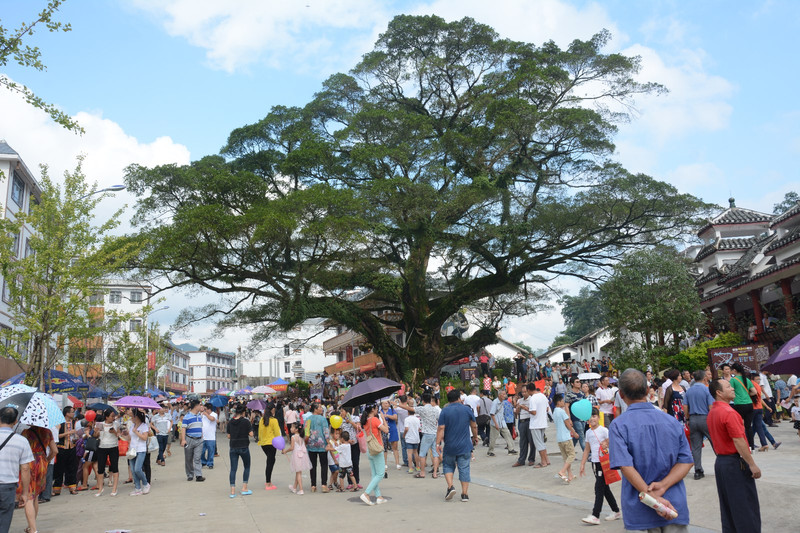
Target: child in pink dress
299,461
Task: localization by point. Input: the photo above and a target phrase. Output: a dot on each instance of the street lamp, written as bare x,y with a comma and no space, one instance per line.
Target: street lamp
113,188
147,339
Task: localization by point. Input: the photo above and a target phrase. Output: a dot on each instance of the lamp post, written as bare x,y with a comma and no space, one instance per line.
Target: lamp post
147,345
113,188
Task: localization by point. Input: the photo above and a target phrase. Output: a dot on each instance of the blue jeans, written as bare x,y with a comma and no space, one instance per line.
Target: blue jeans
234,455
580,429
209,449
449,463
760,428
162,445
139,479
376,467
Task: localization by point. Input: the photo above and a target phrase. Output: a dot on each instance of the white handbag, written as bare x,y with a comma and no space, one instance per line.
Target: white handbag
152,444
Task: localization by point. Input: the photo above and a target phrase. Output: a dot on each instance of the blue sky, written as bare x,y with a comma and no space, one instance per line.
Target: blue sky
157,81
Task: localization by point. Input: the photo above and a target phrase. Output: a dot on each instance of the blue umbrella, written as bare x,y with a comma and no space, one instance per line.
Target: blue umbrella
95,392
40,411
219,401
54,381
156,392
101,407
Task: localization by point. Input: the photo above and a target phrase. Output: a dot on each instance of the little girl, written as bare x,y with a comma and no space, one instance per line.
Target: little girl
299,461
333,458
597,439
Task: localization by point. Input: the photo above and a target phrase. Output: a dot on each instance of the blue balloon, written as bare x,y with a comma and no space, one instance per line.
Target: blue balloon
278,443
582,409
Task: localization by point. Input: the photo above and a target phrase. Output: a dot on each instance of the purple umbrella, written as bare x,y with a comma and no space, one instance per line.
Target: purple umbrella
369,391
786,360
137,402
256,405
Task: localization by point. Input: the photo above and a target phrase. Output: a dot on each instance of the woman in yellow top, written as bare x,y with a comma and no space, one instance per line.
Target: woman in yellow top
267,430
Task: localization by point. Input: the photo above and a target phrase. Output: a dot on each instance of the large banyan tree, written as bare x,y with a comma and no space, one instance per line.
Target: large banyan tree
450,169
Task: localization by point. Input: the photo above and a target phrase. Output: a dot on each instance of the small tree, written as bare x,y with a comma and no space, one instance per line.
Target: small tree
127,361
651,297
52,285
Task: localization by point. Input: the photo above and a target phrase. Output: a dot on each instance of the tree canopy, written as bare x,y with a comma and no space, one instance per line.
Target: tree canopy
583,313
13,48
652,293
449,169
790,199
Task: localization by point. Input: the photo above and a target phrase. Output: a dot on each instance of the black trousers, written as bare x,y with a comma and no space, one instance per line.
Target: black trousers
525,442
66,469
323,465
269,451
746,410
601,490
738,497
112,454
355,455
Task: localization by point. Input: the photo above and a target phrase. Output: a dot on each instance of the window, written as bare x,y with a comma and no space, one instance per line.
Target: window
6,293
136,297
96,299
208,385
136,325
208,371
32,203
18,190
112,351
115,297
15,245
287,350
28,248
6,335
286,367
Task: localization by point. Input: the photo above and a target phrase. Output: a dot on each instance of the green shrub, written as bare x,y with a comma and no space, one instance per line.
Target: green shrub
505,364
696,357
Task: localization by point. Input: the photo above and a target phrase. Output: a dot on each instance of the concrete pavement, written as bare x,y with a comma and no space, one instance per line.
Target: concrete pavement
500,495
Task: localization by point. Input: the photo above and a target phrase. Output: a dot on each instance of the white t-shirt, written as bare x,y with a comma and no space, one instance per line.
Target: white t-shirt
766,388
473,401
594,437
140,445
108,439
209,426
795,413
540,404
605,394
525,404
345,459
412,424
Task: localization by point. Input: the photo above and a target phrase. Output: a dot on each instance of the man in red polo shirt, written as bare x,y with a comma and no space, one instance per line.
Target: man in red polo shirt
735,469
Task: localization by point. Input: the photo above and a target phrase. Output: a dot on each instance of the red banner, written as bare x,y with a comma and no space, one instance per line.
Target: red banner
151,360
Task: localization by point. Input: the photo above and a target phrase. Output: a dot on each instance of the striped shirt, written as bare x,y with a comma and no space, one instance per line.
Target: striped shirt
16,452
194,425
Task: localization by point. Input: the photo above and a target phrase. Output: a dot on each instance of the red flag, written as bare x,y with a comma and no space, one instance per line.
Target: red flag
151,360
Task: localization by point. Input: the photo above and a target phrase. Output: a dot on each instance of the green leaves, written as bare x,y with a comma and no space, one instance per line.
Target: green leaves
12,48
449,169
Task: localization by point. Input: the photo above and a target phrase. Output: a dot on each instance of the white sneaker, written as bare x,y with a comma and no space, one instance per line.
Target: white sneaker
146,489
613,516
591,519
136,493
365,499
399,467
381,500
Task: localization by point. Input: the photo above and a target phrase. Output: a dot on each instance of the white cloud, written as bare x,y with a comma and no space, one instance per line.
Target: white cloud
694,177
697,100
528,21
105,145
238,33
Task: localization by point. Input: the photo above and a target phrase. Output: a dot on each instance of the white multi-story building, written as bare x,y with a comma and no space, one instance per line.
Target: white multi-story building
210,371
19,191
118,297
294,354
175,374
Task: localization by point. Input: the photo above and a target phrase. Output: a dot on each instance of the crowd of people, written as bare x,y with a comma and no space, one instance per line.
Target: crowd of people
629,414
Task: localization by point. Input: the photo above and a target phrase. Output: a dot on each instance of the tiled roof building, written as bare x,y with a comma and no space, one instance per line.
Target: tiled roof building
746,268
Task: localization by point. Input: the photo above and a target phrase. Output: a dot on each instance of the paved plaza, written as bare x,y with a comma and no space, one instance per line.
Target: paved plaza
500,496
